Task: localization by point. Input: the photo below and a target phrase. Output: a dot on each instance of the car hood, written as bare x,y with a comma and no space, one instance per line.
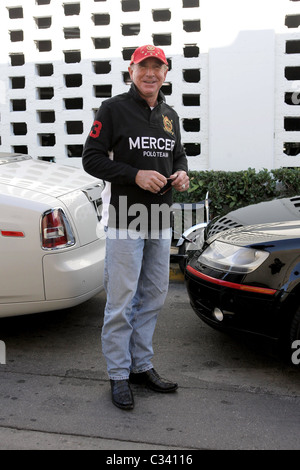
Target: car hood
260,233
42,177
277,210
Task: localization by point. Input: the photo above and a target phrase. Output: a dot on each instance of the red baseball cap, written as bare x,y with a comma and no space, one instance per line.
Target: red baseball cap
144,52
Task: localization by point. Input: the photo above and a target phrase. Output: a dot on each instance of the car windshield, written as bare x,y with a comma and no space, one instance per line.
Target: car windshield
12,158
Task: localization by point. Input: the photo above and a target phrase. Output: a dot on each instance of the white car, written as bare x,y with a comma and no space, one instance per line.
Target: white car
52,245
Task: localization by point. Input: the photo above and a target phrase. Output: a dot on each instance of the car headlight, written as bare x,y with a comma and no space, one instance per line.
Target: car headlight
232,258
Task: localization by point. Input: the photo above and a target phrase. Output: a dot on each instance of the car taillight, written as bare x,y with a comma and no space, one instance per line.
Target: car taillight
55,230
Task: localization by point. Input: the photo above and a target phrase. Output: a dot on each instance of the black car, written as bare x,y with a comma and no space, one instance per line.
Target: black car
246,276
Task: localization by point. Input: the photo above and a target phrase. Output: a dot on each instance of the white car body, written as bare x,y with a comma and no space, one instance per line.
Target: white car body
48,267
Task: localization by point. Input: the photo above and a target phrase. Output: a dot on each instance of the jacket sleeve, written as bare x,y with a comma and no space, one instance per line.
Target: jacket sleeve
99,144
179,155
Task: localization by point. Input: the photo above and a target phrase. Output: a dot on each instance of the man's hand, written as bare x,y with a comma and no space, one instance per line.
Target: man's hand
181,181
150,180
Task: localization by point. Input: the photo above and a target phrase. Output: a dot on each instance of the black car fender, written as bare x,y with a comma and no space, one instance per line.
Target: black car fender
289,299
293,283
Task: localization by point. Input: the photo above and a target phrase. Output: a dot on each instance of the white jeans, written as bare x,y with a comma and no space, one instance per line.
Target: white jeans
136,283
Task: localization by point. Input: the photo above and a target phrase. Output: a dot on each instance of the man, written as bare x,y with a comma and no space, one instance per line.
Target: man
135,146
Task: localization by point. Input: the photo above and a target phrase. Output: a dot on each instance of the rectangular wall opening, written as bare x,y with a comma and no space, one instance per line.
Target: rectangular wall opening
71,9
191,50
292,124
73,103
73,80
191,125
16,36
101,19
292,47
43,23
162,39
45,93
190,3
46,116
103,91
191,75
47,159
47,140
192,150
20,149
44,46
167,88
101,43
191,100
127,52
102,67
292,73
72,57
19,128
131,29
45,70
130,5
74,151
74,127
17,82
191,26
291,148
292,21
15,13
161,15
126,78
18,105
72,33
17,60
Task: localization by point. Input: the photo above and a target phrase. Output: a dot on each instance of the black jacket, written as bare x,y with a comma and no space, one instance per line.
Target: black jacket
127,136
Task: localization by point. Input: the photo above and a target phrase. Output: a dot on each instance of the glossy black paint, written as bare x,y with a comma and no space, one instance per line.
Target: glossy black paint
256,313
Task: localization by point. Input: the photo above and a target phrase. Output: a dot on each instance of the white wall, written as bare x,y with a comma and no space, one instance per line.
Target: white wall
88,31
242,62
241,102
239,38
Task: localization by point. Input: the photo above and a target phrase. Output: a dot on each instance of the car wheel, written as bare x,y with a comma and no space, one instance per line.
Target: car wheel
295,338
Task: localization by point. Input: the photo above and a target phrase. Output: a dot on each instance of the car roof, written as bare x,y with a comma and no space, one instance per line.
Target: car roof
23,172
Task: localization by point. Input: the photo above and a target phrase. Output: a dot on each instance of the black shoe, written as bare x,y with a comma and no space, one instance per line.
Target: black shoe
152,380
121,394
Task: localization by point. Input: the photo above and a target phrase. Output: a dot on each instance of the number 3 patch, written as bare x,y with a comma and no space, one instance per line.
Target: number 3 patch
96,129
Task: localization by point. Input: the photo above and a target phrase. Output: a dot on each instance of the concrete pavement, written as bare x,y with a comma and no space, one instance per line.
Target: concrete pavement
55,393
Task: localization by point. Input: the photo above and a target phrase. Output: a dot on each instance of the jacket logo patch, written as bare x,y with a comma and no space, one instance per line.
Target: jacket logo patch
168,125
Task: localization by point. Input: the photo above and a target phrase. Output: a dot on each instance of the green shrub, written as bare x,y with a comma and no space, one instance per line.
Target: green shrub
289,180
230,190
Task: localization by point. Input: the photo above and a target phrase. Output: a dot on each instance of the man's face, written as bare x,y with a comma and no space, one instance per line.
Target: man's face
148,76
